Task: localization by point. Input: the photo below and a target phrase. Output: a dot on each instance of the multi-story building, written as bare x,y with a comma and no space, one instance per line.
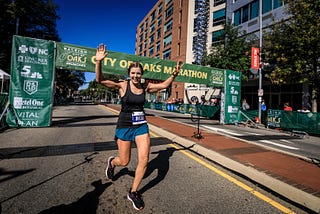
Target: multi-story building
171,30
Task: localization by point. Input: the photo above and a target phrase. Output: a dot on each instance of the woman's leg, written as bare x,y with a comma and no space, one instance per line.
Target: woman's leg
143,147
124,153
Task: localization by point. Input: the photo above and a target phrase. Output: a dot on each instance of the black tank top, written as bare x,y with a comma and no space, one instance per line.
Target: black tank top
130,103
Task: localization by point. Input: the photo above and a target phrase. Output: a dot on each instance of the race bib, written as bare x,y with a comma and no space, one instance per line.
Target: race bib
138,117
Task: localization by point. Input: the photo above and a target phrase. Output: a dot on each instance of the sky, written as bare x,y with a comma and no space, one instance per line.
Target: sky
112,22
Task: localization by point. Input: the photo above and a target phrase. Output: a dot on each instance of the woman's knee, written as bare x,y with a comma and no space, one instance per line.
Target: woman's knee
144,160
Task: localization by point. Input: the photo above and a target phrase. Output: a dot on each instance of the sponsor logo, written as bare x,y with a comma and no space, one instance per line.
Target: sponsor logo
33,50
233,109
21,103
30,86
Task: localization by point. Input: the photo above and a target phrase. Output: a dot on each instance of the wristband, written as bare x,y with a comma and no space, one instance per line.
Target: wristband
174,74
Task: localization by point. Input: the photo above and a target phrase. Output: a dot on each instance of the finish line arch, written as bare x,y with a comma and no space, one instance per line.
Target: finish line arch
33,64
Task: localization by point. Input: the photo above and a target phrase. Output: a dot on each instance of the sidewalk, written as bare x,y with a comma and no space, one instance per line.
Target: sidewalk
289,176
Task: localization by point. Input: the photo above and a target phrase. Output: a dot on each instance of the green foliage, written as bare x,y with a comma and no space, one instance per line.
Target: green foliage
293,46
66,79
233,52
93,85
36,19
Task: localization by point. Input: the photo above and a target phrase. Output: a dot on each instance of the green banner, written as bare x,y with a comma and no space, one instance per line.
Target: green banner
274,118
31,85
83,59
232,96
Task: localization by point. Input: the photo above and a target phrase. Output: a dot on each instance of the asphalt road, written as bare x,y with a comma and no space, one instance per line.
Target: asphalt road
60,169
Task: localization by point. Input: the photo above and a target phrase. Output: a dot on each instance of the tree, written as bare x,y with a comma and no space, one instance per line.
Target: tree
293,47
36,19
68,80
232,52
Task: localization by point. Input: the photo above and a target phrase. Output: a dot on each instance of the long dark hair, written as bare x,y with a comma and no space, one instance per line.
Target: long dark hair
135,65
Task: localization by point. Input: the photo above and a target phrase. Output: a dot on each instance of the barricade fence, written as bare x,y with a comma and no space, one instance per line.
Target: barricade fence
3,102
201,110
308,122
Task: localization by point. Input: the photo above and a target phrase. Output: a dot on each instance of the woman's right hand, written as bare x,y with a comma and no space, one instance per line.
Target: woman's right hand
101,52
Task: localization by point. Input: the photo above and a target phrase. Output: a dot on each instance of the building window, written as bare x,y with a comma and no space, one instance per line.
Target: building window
151,40
152,27
168,26
278,3
266,6
140,48
151,51
167,54
168,1
254,9
159,33
217,36
167,40
146,23
218,2
153,15
219,17
141,37
159,21
237,17
141,28
160,9
158,46
245,13
169,12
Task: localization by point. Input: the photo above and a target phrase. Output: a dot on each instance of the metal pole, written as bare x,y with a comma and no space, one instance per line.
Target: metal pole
260,46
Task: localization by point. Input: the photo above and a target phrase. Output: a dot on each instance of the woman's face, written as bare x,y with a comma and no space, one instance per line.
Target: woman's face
135,75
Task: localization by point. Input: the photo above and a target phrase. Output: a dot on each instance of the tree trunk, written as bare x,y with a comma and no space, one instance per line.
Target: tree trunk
314,95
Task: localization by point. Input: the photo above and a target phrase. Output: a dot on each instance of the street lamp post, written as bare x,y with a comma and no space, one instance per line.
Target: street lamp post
260,91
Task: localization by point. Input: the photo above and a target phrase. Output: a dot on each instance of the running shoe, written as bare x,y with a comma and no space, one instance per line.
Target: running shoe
136,199
110,168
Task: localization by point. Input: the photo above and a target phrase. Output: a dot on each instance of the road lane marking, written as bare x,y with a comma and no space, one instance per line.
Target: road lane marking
287,141
223,130
238,183
252,133
278,144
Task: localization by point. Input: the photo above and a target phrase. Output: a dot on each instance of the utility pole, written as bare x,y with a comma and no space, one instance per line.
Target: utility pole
260,91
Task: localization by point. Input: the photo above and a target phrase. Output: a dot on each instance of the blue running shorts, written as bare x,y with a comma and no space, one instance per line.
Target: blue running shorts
129,134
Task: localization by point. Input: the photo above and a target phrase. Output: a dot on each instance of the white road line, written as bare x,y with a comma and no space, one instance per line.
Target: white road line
277,144
223,130
286,141
252,133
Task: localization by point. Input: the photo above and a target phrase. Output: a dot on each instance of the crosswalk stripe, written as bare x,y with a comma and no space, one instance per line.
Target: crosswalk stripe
277,144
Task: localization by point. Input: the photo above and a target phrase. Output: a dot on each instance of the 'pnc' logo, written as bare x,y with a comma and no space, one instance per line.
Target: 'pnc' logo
33,50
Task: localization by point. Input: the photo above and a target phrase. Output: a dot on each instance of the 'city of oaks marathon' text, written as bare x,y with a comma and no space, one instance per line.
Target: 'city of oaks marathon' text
154,68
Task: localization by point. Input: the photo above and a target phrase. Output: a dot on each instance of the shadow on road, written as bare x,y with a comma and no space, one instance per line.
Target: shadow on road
87,159
160,163
43,151
58,121
86,204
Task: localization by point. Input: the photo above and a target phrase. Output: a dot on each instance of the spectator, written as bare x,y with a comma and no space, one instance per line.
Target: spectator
287,107
245,106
